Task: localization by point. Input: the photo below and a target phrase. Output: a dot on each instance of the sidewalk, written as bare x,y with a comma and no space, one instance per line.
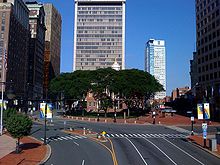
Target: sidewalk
33,151
200,142
7,145
175,120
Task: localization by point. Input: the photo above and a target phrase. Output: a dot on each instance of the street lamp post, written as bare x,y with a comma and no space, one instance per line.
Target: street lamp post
10,95
154,117
192,122
98,116
115,111
2,109
45,125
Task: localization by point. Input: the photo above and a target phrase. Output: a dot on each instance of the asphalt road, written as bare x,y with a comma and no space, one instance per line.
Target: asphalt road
132,145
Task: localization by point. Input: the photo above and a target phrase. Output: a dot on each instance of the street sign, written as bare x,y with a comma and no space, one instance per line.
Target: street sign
192,118
204,134
204,126
204,130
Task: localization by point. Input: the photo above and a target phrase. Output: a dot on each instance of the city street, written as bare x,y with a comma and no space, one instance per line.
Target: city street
132,145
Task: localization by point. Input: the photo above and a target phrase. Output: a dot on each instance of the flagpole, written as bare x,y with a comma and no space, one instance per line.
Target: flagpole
2,92
2,103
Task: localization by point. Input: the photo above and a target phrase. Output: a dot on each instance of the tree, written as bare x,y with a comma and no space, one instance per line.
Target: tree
130,86
7,113
134,86
18,125
102,80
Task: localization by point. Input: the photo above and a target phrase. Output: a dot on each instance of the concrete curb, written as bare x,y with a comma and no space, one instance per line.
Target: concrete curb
204,149
47,156
48,153
94,121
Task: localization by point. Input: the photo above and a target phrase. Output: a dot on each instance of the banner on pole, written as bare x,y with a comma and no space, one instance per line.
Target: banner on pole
4,104
49,110
206,111
200,111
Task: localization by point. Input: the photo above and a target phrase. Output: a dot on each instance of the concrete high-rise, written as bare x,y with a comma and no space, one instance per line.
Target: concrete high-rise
207,57
14,38
99,34
155,63
36,50
52,52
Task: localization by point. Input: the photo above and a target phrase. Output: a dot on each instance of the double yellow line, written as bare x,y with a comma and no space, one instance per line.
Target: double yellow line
112,151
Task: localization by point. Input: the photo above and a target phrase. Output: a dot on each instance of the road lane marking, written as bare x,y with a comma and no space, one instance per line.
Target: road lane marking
130,135
113,157
112,135
64,138
59,138
81,137
137,151
117,135
143,135
69,137
73,137
113,151
76,143
83,162
184,152
135,135
139,135
160,151
126,135
121,135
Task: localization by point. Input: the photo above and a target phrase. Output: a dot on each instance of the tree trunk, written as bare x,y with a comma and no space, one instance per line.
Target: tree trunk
105,113
128,113
17,146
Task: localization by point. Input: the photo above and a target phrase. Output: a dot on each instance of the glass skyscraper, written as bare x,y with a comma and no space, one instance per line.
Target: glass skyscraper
155,63
99,34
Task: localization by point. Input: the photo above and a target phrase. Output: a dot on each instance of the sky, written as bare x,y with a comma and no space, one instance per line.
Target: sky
169,20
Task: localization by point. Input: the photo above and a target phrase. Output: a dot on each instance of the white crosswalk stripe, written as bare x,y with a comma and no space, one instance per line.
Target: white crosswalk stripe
139,135
121,135
130,135
73,137
60,138
125,135
69,137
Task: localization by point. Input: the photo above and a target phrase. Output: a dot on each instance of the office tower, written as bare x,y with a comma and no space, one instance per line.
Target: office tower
193,74
208,54
14,36
53,23
36,50
155,63
99,34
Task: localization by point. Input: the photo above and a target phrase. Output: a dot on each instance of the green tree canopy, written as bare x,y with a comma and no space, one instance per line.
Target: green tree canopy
131,85
18,125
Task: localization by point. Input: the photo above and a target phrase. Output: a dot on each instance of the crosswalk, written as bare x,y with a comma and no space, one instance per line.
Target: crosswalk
61,138
141,135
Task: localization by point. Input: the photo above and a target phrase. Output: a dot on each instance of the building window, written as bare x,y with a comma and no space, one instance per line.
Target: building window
3,14
215,75
211,76
3,21
3,28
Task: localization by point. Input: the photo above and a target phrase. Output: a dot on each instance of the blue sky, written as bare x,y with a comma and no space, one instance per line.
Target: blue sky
170,20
